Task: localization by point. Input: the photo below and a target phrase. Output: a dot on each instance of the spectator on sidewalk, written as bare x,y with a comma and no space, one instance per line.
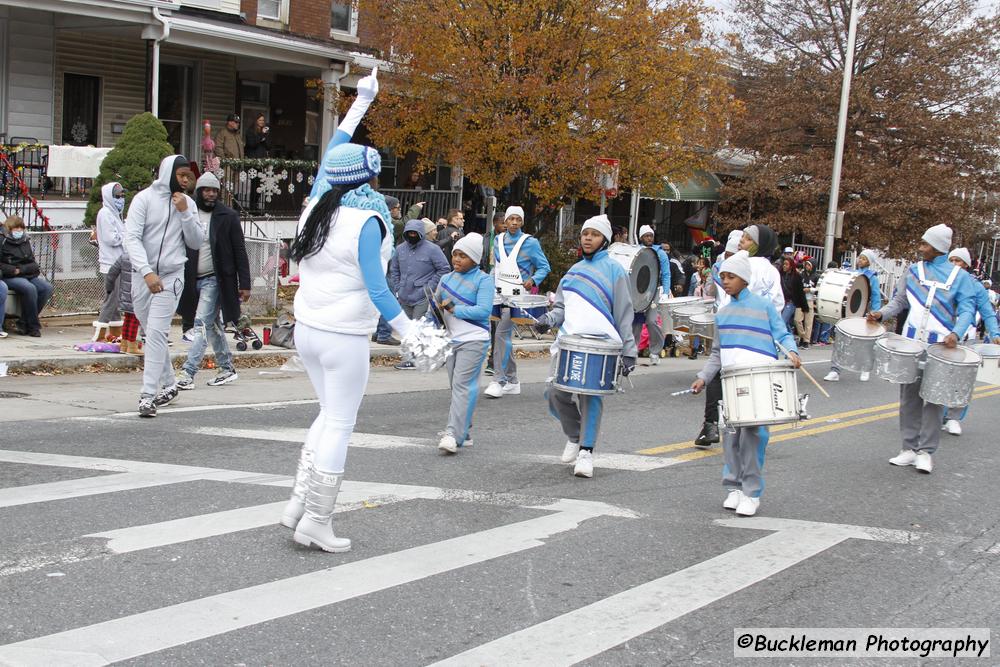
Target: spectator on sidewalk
110,237
229,144
453,230
396,211
161,221
119,278
416,264
22,275
217,278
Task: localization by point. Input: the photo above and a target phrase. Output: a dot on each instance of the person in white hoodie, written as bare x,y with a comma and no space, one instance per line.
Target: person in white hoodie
162,223
343,245
110,243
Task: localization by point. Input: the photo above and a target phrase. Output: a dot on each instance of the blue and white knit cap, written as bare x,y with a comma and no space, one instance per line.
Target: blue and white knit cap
351,164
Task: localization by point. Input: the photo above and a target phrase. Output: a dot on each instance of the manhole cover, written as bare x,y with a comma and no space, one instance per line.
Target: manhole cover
13,394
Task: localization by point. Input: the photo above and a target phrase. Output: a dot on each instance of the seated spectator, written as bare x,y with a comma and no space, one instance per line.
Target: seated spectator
21,274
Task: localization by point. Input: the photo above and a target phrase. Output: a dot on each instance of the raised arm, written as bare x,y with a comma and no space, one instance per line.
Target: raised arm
367,90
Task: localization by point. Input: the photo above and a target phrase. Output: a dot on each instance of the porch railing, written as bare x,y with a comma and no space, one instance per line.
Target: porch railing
16,197
437,203
268,187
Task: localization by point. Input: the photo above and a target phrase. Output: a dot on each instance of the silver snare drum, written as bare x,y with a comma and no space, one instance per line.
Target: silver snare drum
854,346
897,358
703,324
990,370
950,375
668,304
682,316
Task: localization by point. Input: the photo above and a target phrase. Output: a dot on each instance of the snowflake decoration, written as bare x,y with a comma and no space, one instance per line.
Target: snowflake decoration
79,132
311,180
298,177
252,173
291,188
270,183
243,177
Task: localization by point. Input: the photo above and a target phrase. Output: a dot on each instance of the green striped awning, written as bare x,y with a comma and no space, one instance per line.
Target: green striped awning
702,186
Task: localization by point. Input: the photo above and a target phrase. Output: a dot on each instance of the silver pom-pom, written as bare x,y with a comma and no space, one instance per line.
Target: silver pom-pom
426,346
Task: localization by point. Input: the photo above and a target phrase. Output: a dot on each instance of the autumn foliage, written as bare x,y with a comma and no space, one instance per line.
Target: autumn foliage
542,88
923,122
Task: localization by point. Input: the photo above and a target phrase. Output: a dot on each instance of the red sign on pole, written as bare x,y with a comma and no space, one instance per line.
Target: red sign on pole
607,176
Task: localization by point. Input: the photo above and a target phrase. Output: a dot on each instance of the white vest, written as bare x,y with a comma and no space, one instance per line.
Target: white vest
332,295
506,273
921,321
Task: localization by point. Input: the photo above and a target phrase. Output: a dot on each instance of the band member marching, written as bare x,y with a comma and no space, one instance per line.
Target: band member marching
520,266
748,328
942,302
592,298
985,312
656,337
466,295
865,264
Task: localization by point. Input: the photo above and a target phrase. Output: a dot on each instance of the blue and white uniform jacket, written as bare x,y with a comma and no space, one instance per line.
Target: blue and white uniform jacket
952,295
472,294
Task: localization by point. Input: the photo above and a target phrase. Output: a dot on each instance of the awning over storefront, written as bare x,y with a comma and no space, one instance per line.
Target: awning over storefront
702,186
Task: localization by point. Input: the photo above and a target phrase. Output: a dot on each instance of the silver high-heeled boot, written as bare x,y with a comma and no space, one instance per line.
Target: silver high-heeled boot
315,528
296,505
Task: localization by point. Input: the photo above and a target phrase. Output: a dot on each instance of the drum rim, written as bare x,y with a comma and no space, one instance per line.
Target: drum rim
710,318
992,347
781,365
595,345
894,336
541,299
701,310
938,346
850,334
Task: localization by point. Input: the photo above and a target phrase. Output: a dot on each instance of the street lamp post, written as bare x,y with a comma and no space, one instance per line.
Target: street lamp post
838,156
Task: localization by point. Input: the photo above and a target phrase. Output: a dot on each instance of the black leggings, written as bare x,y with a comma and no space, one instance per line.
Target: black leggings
713,394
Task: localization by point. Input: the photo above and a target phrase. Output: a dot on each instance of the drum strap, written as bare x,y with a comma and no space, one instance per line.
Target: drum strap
506,270
933,286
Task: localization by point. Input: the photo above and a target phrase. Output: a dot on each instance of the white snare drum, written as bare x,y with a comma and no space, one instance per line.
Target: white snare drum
897,358
990,370
854,346
760,395
682,316
703,324
643,269
950,375
668,304
841,294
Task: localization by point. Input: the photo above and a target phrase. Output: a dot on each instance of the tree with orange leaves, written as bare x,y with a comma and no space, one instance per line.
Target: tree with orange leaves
542,88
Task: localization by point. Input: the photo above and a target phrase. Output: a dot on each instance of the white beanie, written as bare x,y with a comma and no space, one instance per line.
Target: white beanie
738,265
514,210
429,225
962,254
733,242
600,223
939,236
472,246
208,180
869,255
646,229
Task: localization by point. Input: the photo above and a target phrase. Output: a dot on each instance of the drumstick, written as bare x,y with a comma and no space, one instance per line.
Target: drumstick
685,391
804,371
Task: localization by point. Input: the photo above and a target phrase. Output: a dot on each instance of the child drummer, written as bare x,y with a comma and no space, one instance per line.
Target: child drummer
749,332
592,298
466,296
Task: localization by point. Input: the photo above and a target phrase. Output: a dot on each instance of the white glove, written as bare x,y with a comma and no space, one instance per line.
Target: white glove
402,325
368,86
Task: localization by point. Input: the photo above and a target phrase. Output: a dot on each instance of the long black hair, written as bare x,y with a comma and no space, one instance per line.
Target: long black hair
312,236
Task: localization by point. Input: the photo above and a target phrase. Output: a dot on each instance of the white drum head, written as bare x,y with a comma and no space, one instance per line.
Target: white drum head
860,327
643,268
987,350
900,344
958,355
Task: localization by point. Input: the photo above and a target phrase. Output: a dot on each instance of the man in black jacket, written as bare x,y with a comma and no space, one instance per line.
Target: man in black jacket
217,279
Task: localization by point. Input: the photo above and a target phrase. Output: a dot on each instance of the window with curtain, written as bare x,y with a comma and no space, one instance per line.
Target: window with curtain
269,9
81,109
341,16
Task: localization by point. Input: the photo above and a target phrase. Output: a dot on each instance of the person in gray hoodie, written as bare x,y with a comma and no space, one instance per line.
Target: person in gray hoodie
162,223
417,263
110,236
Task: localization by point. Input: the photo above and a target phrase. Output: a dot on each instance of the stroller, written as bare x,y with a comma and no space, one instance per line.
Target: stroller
244,334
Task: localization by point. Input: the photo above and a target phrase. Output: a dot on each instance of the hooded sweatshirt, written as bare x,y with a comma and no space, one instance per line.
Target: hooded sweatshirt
414,266
156,233
110,229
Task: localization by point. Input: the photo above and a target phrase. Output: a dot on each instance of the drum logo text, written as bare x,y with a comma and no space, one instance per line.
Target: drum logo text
576,367
776,391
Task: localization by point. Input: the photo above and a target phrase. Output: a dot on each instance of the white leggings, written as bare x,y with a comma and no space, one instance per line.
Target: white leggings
337,365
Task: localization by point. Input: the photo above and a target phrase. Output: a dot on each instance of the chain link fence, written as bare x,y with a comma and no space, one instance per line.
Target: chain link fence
68,260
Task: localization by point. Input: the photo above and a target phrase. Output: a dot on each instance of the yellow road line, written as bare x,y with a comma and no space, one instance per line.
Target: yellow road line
797,431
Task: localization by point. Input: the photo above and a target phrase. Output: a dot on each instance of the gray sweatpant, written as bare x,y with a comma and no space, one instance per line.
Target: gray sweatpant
464,367
109,309
416,311
503,351
743,454
919,421
656,337
580,420
154,312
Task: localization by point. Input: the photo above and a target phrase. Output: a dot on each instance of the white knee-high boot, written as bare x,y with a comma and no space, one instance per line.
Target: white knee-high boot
315,528
296,505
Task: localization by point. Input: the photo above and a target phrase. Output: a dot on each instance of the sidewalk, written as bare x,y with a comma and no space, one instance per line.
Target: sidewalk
54,351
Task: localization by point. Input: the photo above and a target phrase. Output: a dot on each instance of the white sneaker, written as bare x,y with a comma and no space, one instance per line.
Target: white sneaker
748,506
865,376
512,388
732,500
468,443
188,336
448,443
584,464
906,457
832,376
569,452
924,463
494,390
654,360
953,427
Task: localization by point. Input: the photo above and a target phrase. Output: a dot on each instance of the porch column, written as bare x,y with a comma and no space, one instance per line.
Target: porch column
330,118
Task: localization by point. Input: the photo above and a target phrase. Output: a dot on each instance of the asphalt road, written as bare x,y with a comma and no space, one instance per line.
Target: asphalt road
155,542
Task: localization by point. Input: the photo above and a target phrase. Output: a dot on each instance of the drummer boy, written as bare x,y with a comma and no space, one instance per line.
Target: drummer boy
749,332
592,298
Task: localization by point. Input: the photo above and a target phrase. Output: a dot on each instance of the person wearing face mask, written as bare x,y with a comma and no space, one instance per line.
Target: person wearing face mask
110,237
23,276
416,264
216,281
162,222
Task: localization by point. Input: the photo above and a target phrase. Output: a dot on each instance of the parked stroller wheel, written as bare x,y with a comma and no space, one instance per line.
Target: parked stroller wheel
257,344
241,346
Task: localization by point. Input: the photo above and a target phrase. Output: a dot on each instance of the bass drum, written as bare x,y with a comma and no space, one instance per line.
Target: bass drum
643,269
841,294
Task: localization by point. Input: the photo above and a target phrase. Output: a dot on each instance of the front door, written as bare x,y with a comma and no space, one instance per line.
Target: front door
177,102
